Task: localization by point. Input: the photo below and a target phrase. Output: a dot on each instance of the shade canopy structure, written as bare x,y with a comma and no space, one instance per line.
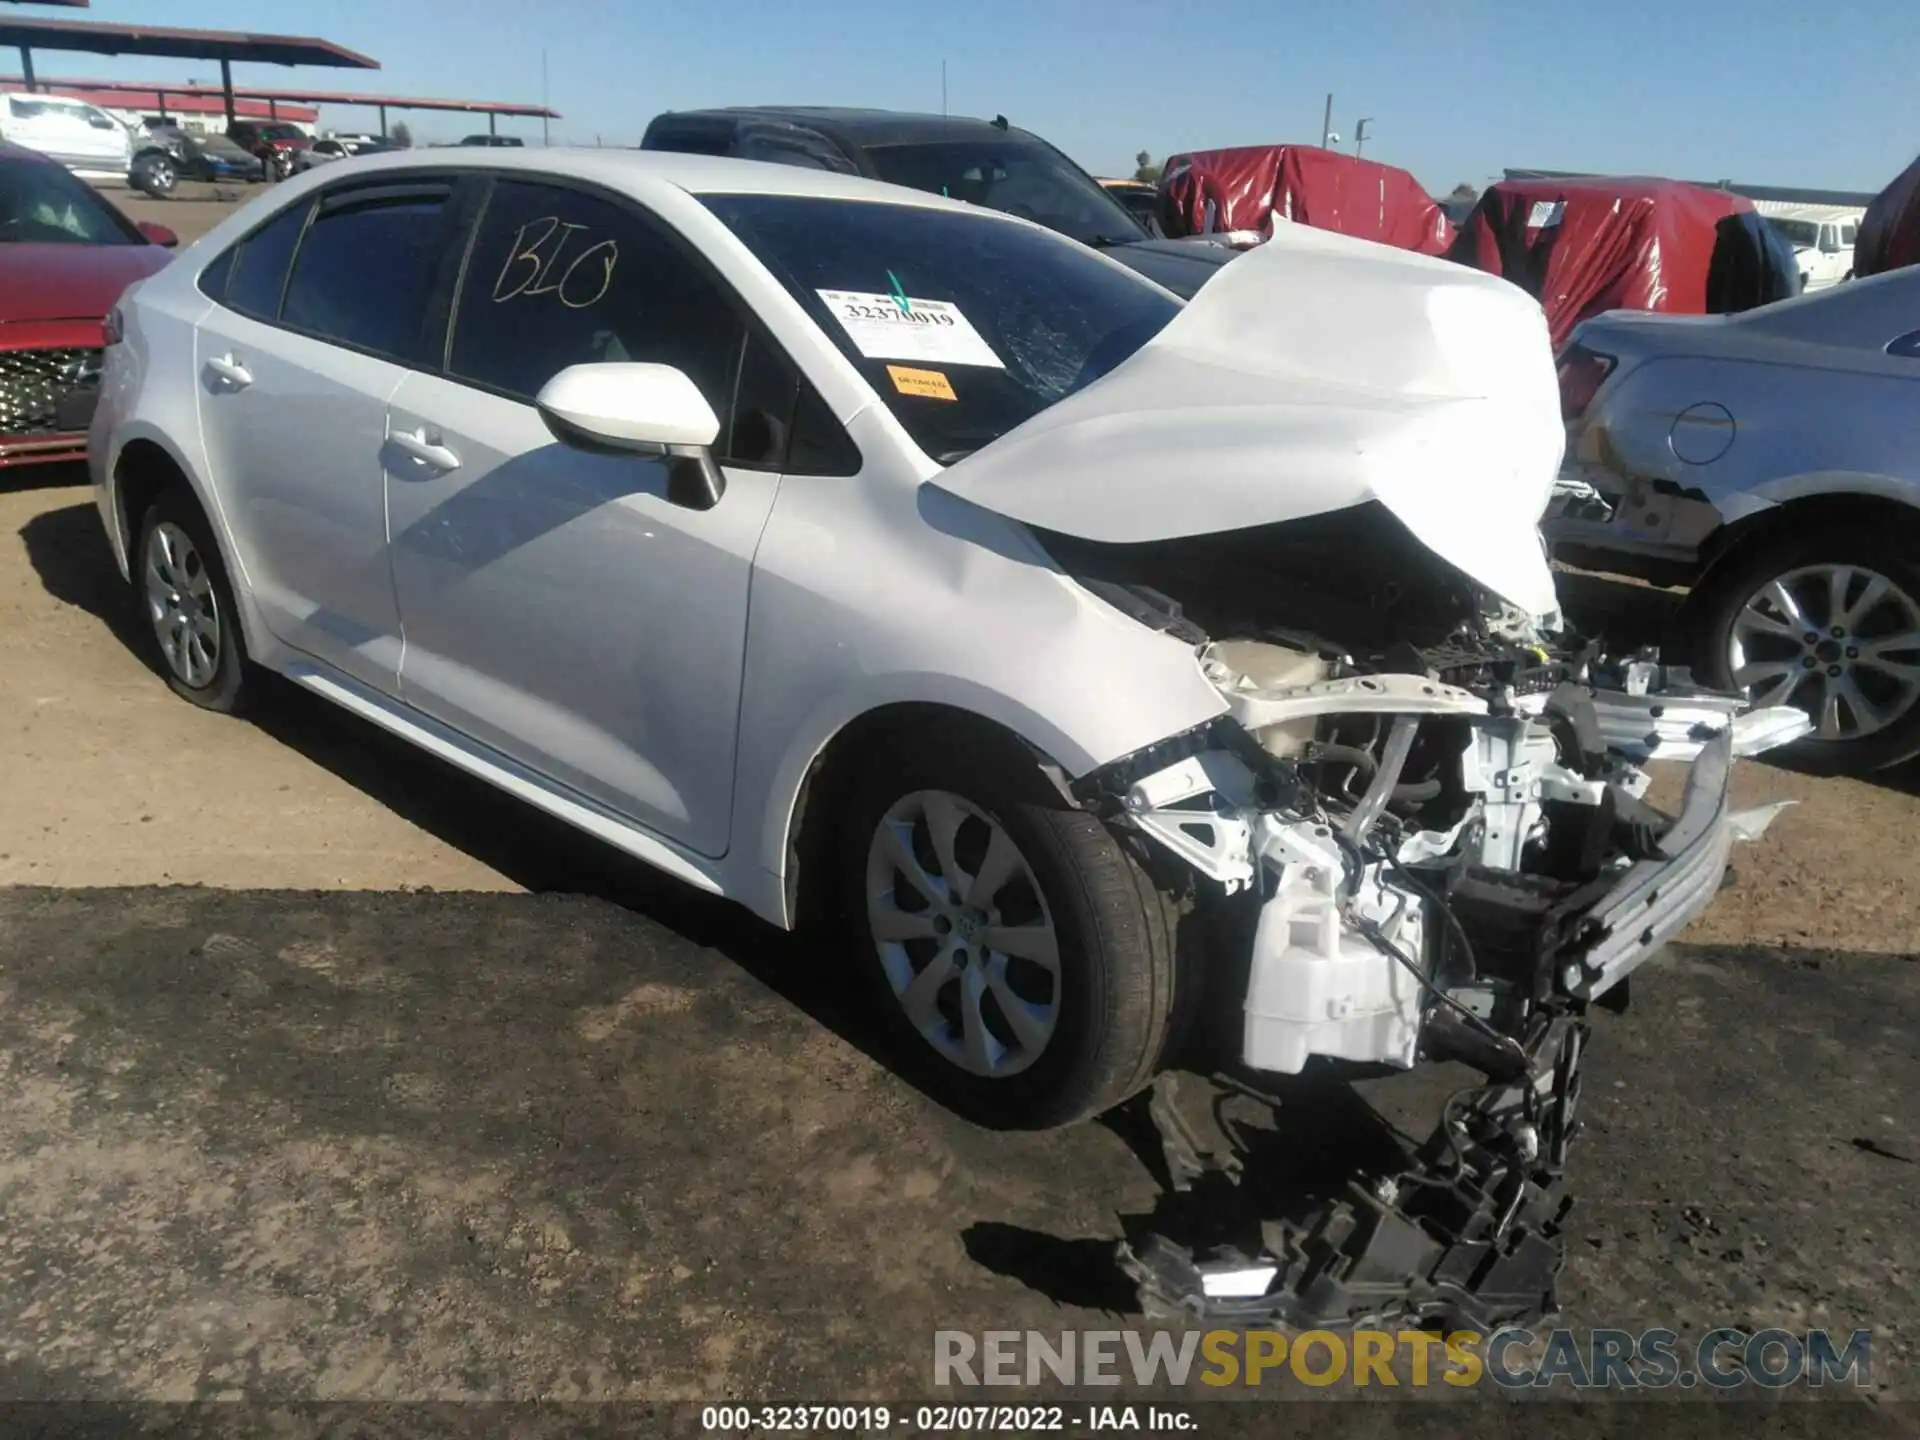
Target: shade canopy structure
223,46
160,92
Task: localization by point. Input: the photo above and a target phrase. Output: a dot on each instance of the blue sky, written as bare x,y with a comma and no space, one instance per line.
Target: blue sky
1759,91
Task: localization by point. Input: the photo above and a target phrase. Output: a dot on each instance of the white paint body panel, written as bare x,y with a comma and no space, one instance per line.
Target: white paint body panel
1312,374
665,677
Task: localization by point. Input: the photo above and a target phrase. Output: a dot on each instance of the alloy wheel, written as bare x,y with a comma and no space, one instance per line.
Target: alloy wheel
182,606
963,934
1841,642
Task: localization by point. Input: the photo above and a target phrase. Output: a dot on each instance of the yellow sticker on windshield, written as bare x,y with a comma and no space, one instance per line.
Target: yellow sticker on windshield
928,384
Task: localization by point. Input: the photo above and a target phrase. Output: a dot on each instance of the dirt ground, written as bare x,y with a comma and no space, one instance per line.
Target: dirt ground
329,1074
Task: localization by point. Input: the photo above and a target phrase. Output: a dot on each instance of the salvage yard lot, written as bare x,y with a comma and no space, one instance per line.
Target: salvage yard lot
423,1096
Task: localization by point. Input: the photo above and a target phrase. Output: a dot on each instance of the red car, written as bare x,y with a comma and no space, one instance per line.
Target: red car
271,142
65,257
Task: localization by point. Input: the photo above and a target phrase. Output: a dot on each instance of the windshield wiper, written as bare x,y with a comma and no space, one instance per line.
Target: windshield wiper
1107,242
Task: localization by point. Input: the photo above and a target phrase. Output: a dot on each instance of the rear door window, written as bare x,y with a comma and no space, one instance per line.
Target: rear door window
365,273
259,269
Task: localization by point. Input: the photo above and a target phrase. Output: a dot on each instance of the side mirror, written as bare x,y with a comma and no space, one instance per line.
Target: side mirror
623,408
158,234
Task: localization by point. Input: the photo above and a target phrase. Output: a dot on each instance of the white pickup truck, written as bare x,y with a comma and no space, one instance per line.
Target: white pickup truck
1822,237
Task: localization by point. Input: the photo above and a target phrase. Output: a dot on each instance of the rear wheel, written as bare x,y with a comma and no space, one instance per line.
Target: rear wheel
1828,621
188,604
1022,958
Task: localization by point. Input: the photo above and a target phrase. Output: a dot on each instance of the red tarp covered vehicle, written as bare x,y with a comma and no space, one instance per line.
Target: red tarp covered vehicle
1240,190
1890,233
1587,245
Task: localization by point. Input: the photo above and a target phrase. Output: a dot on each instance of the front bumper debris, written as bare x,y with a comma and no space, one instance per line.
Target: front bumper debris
1469,908
1471,1235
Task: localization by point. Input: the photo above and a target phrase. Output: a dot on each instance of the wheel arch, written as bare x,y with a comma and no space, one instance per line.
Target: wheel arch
145,464
1897,507
829,776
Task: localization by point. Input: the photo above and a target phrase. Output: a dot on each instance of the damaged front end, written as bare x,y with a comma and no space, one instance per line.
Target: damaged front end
1434,809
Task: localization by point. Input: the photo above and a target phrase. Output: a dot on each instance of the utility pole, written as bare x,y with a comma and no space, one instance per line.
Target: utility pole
943,89
1326,124
545,104
1360,134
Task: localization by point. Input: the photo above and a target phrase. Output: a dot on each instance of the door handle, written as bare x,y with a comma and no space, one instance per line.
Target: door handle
424,446
229,369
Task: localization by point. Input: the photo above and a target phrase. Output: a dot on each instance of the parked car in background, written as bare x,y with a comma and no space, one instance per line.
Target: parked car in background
1141,199
167,154
1822,237
1890,230
1771,460
881,561
339,147
1243,192
65,256
988,163
508,142
80,136
273,143
1586,245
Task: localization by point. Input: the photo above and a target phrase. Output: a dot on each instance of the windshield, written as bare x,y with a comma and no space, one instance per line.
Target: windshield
964,325
41,203
1016,176
1797,232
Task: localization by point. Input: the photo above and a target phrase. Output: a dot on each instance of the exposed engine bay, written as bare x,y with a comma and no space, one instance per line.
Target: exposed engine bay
1433,798
1434,808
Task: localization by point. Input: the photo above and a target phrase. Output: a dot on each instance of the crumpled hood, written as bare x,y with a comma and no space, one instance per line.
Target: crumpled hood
1314,373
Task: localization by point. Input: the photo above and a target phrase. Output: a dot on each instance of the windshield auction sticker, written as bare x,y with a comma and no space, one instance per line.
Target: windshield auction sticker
928,384
897,327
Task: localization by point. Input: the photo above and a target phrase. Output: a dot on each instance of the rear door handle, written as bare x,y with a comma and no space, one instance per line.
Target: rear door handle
229,369
424,446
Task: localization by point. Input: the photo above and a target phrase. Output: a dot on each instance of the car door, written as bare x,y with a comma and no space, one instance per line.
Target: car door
321,313
100,140
572,610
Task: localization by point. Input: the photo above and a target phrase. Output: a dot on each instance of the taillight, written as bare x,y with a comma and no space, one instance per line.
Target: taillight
113,329
1582,372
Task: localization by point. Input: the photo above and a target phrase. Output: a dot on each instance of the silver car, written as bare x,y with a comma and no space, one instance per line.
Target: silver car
1771,461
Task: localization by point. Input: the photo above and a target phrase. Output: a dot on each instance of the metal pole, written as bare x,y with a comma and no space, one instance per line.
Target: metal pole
226,87
493,123
943,89
26,68
383,122
1360,135
545,104
1326,123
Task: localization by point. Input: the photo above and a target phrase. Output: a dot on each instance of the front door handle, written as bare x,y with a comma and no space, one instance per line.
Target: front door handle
424,446
229,369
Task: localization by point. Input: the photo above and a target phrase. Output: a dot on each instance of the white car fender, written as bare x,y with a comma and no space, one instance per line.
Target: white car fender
832,637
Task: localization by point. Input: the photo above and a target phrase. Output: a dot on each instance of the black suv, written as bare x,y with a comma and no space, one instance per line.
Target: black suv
986,162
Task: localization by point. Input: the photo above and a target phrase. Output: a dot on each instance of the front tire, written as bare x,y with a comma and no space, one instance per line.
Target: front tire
1827,620
188,604
155,175
1023,960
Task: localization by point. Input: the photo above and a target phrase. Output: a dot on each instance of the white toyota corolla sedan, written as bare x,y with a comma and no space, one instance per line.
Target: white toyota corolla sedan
872,559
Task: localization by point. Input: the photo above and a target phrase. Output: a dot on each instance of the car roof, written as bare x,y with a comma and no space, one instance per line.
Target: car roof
10,151
695,174
863,126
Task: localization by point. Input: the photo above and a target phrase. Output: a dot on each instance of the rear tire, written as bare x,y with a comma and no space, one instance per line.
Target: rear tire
1749,621
181,585
996,1033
